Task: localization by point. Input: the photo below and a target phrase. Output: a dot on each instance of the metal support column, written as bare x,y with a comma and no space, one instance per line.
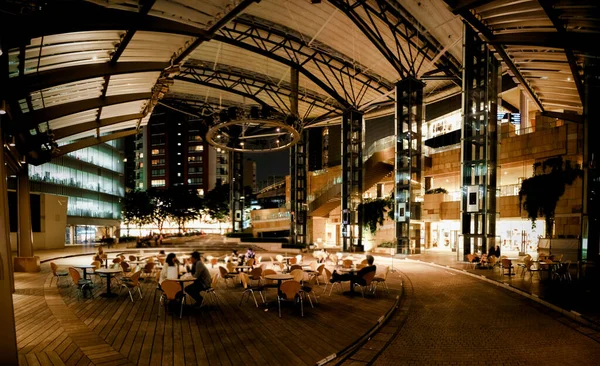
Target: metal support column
590,246
352,179
298,179
24,234
236,191
8,346
479,146
298,173
407,166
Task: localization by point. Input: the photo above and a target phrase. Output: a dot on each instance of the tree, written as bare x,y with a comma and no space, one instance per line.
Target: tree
137,208
183,205
539,194
372,212
159,201
217,203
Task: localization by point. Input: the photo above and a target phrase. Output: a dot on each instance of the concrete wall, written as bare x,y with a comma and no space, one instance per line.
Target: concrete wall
53,210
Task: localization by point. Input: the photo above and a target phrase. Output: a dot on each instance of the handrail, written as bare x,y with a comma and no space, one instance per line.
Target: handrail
507,190
379,145
325,188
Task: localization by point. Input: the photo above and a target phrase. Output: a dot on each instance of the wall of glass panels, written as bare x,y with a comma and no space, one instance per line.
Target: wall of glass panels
92,178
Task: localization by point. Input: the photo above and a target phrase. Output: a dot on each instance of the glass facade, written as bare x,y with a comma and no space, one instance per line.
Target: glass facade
92,178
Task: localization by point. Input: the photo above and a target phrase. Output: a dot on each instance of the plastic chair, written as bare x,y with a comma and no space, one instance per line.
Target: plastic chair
148,270
56,273
132,258
347,263
226,275
381,279
210,292
82,284
250,290
317,273
368,279
133,283
290,291
171,291
329,283
255,274
298,275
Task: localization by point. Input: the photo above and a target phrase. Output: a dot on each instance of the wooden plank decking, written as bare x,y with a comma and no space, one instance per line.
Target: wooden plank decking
54,327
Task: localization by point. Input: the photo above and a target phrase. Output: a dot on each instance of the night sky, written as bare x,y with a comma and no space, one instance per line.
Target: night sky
267,164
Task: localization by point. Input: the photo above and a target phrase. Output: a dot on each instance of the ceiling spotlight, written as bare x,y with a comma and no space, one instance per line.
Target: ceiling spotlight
276,141
568,79
242,143
278,129
12,141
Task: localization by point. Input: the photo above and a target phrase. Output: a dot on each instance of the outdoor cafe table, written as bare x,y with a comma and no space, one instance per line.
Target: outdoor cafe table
109,272
279,277
243,268
352,271
84,267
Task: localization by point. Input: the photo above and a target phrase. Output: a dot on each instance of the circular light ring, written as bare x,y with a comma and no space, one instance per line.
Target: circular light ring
282,137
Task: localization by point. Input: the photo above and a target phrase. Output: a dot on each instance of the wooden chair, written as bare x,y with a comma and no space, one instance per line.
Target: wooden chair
171,291
148,270
562,273
368,278
471,261
316,274
82,284
295,267
226,275
506,264
530,267
56,273
116,260
347,263
249,290
210,292
268,283
214,262
292,260
255,274
132,258
381,279
250,262
523,265
132,284
290,291
329,283
298,275
278,261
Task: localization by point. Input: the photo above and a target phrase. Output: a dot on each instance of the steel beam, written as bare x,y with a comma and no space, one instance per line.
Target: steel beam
214,28
87,126
571,117
43,115
462,5
254,83
91,141
548,6
579,41
21,86
488,36
352,179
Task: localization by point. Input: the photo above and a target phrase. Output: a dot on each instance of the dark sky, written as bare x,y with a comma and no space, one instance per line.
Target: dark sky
274,163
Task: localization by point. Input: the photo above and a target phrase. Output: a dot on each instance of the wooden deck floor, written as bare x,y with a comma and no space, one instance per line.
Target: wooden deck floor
54,327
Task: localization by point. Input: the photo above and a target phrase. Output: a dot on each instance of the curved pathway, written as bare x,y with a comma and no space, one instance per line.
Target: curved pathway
457,319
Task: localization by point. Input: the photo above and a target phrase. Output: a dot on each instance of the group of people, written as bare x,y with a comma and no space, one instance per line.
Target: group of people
200,274
357,277
242,258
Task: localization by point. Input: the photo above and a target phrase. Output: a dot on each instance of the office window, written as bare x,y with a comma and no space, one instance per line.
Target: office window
196,148
158,183
195,159
158,161
158,151
195,181
195,170
158,172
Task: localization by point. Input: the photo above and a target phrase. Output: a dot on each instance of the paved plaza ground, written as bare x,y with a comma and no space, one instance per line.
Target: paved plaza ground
445,316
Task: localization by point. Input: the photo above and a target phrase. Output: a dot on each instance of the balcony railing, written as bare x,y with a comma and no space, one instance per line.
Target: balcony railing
379,145
330,183
503,191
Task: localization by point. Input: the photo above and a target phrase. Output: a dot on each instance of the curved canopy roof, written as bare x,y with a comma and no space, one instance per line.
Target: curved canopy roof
83,72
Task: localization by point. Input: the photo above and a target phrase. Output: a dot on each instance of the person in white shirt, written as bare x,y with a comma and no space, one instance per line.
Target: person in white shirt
170,270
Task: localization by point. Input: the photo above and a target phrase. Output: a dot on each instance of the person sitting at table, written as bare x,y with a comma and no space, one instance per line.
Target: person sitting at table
202,279
497,251
358,277
99,254
250,254
491,251
170,270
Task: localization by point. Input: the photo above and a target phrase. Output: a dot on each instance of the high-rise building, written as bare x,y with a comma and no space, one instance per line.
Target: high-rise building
175,153
250,174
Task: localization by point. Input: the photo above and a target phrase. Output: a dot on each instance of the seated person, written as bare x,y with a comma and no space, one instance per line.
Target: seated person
170,270
358,277
99,254
250,254
202,279
235,257
491,252
161,254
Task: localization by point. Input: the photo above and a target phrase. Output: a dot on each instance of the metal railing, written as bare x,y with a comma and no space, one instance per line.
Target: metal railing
330,183
503,191
379,145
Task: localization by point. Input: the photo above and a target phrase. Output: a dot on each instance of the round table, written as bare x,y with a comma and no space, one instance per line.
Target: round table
279,278
84,268
109,272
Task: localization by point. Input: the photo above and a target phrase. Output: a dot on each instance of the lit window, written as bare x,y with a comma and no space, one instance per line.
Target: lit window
201,192
179,144
141,155
196,148
178,163
178,153
158,182
179,174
